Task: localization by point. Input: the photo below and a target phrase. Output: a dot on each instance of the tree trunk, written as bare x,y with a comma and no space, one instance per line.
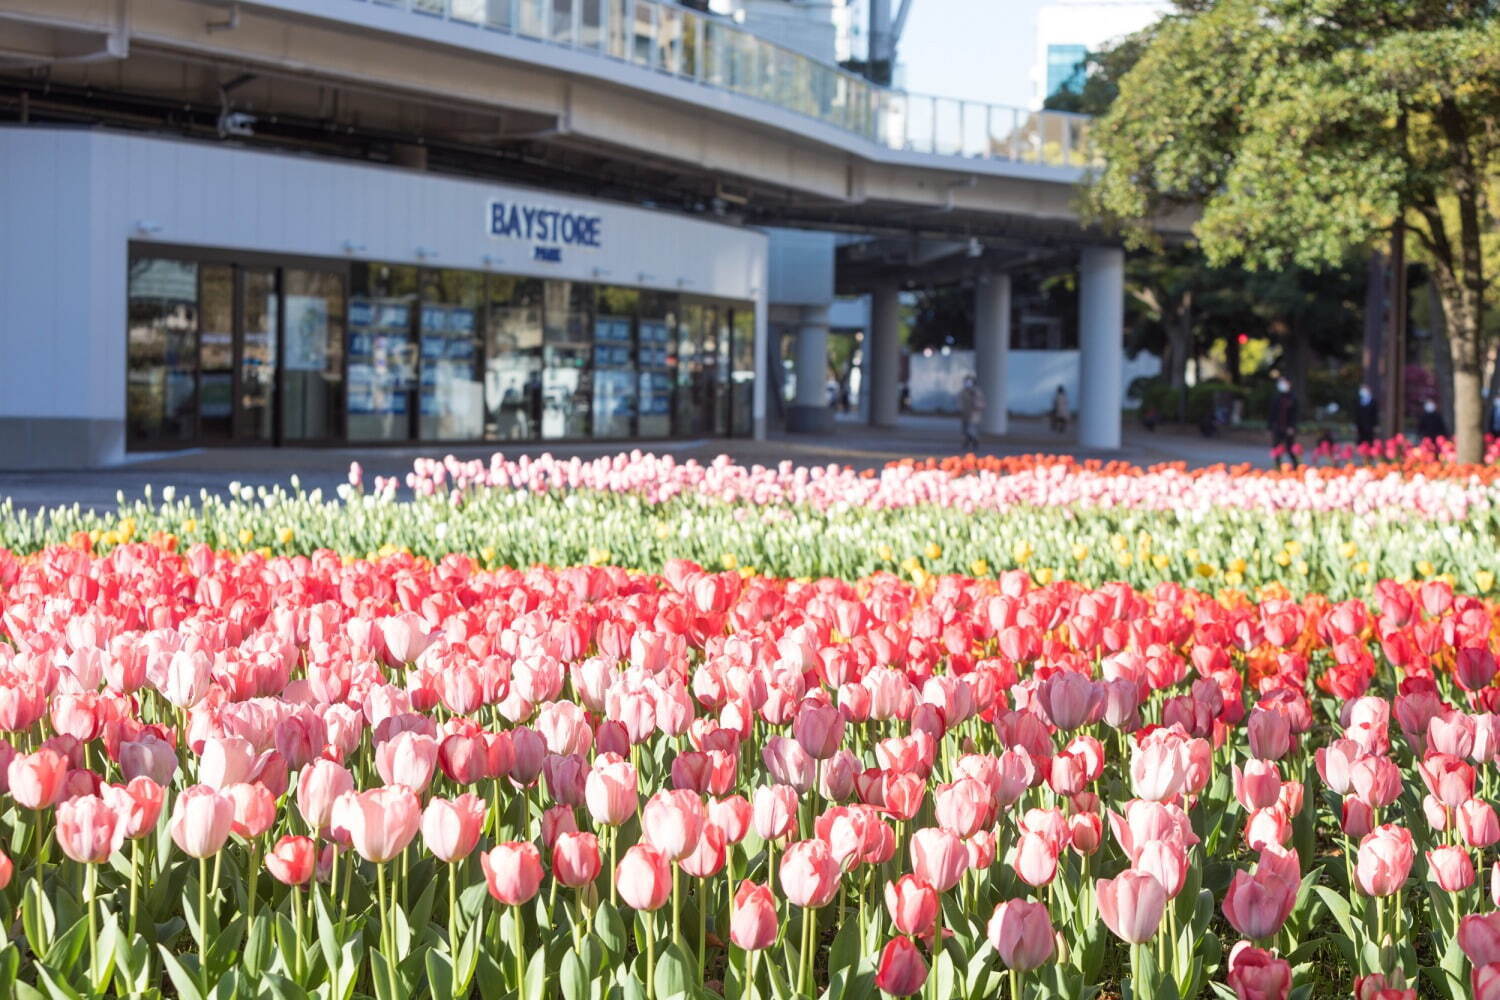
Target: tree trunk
1442,354
1180,341
1462,288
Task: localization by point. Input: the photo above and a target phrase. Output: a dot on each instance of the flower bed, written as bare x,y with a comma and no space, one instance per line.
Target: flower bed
322,776
1055,520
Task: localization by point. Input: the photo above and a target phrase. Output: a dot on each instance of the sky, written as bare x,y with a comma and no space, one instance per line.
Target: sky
980,50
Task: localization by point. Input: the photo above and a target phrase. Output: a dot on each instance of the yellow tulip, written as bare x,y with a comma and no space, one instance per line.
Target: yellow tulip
729,560
1426,569
1237,565
285,536
1044,575
1205,570
1161,560
1022,551
190,526
1348,550
979,567
933,551
1080,552
246,537
886,553
1484,580
1234,578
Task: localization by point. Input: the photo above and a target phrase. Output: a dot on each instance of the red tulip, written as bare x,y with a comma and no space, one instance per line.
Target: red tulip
913,905
451,828
1021,932
752,918
293,861
902,970
88,830
379,822
512,871
809,874
1385,859
201,821
644,878
1132,905
575,859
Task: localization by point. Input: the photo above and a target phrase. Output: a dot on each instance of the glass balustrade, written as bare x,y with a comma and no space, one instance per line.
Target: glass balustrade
667,37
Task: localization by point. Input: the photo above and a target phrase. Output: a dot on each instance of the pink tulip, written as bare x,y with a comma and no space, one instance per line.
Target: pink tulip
1385,859
254,809
610,790
1258,904
938,857
809,875
752,919
1270,733
707,858
138,802
1255,974
1479,937
88,830
202,819
575,859
774,811
1132,905
293,861
407,759
902,971
451,828
673,822
819,729
318,787
36,779
1167,861
1258,786
912,904
512,871
1450,868
644,878
380,822
731,814
148,757
1035,859
225,761
1478,824
1021,932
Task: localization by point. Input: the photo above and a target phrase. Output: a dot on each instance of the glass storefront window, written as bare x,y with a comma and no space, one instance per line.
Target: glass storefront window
591,24
382,351
513,359
216,353
161,341
252,350
656,350
742,372
312,389
451,404
643,39
567,348
615,385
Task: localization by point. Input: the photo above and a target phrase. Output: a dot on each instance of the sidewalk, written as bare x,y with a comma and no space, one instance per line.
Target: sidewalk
853,443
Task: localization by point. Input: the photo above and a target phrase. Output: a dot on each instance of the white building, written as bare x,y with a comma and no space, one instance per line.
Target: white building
1068,30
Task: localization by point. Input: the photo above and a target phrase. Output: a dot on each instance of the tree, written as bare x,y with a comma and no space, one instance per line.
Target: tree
1302,130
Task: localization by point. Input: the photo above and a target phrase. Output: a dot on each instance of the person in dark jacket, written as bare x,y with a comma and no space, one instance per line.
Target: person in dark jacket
1492,422
1283,421
1366,417
1431,425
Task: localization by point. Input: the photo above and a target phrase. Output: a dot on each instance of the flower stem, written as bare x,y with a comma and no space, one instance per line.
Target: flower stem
520,943
297,927
650,955
135,878
91,884
203,923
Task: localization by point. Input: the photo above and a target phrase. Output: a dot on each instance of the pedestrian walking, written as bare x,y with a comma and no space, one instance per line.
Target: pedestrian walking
1366,417
1430,425
970,406
1060,411
1283,423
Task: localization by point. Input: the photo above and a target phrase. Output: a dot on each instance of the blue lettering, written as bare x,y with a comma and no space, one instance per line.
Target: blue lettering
544,225
552,255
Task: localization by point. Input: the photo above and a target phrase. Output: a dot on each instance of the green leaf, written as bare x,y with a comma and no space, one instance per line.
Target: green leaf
38,922
844,955
674,974
574,980
1338,905
185,982
609,929
536,974
944,974
67,950
439,974
57,985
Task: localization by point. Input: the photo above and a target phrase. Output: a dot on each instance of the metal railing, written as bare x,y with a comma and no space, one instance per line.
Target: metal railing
662,36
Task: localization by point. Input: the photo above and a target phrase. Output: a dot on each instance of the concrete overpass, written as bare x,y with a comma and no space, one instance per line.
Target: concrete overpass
641,101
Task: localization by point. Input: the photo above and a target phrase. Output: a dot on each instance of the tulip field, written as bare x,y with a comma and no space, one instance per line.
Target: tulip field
640,729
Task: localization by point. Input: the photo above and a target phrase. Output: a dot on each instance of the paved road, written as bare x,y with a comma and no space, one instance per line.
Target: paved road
852,444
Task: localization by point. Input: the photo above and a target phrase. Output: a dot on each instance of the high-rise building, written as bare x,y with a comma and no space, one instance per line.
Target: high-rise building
1067,30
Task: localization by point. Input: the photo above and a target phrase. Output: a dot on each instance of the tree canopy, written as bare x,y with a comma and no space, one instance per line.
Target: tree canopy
1302,130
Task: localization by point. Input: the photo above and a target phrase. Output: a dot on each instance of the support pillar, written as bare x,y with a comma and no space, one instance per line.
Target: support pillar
810,412
992,348
884,353
1101,346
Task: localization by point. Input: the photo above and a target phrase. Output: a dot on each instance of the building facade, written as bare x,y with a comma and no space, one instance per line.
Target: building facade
181,294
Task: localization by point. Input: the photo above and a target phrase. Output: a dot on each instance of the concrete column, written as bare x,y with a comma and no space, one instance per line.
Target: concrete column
992,347
763,383
810,413
883,348
1101,345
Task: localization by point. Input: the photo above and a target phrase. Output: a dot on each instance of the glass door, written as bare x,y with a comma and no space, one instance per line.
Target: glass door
254,412
216,353
312,363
